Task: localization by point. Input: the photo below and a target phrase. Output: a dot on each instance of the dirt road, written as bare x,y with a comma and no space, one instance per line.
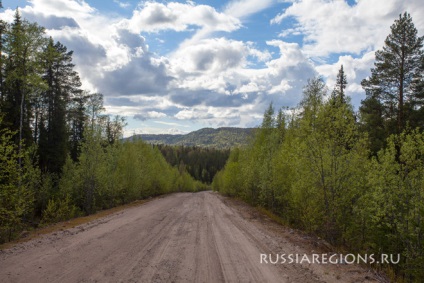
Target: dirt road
185,237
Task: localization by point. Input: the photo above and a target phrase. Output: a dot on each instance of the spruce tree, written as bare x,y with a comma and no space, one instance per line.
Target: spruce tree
338,94
62,82
77,120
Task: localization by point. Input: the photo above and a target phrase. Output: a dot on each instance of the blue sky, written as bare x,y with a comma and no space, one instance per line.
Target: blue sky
177,66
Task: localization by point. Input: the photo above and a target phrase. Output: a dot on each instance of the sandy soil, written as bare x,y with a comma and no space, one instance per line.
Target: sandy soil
185,237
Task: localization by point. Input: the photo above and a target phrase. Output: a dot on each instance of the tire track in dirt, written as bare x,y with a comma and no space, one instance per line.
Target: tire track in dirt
184,237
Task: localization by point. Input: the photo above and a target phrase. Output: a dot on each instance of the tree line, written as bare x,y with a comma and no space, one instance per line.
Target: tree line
355,179
200,162
60,155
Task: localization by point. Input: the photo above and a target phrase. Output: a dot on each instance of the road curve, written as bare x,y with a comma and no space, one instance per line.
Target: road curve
183,237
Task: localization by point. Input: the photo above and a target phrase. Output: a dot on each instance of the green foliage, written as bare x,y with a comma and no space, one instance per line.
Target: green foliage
15,191
59,210
73,161
318,176
396,203
231,176
106,176
22,81
201,163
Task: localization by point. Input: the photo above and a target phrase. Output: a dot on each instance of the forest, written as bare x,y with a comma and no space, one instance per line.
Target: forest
219,138
201,163
61,156
354,178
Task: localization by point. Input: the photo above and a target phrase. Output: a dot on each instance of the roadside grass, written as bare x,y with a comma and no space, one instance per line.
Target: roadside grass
272,216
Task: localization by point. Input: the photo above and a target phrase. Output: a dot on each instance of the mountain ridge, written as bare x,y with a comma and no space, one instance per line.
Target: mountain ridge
224,137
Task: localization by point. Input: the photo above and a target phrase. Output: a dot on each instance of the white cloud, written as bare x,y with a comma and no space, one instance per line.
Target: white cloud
262,56
356,69
335,27
128,132
155,114
210,55
170,124
60,8
91,35
209,78
245,8
249,87
154,17
237,85
123,5
122,110
190,114
149,115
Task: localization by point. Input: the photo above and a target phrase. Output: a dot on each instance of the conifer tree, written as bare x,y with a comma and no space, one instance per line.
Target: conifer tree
77,121
3,29
338,94
22,76
62,82
397,72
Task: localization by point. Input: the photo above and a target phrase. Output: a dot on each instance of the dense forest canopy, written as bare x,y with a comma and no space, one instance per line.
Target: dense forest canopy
201,163
220,138
356,179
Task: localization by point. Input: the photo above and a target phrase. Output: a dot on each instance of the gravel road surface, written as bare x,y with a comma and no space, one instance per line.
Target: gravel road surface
183,237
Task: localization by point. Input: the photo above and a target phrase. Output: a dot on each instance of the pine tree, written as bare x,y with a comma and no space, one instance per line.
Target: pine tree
398,70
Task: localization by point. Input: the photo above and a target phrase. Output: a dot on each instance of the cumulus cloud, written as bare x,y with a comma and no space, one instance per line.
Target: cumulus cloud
212,77
149,115
347,34
356,69
154,17
51,21
211,116
60,8
210,55
336,27
232,83
143,74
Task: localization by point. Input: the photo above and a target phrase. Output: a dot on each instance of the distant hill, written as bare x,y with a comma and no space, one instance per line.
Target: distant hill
206,137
